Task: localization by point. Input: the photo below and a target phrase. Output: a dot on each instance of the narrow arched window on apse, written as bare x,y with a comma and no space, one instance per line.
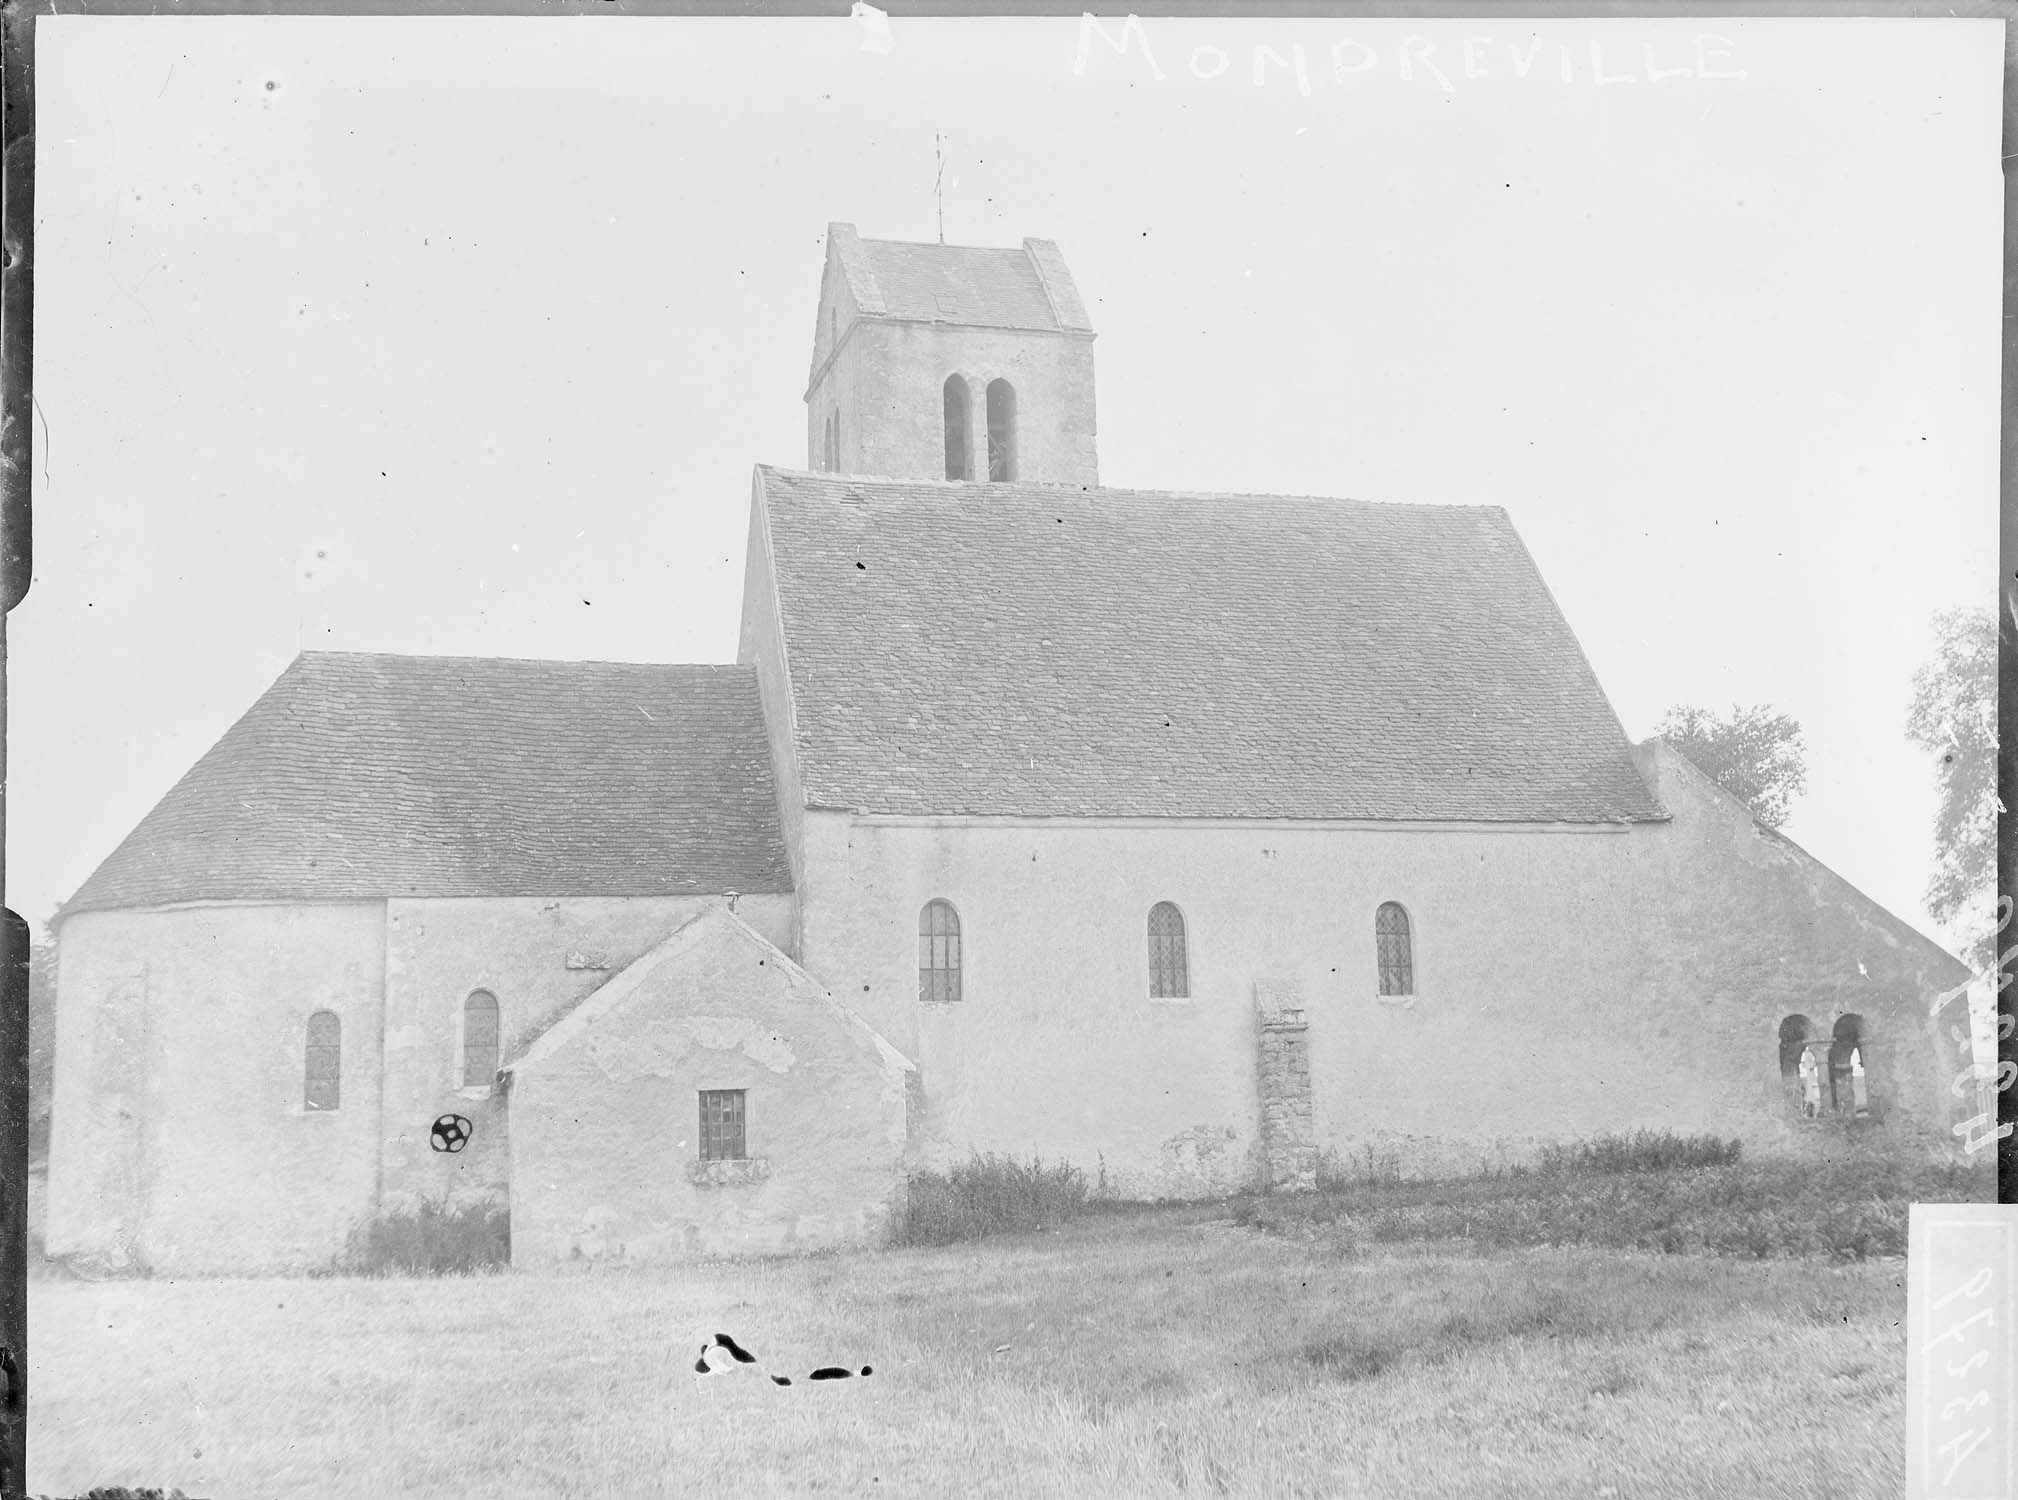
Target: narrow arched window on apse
1394,949
938,952
479,1040
322,1064
959,417
1001,430
1169,963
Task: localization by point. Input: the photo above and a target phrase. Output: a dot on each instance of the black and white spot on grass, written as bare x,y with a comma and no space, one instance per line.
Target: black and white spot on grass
723,1353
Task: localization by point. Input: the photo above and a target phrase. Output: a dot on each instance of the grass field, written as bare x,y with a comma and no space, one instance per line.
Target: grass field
1157,1352
1642,1192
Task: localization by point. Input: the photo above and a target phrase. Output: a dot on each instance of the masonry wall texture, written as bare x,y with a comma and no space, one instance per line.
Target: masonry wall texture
1746,913
838,397
604,1144
889,384
1289,1146
183,1145
538,958
179,1141
896,320
1568,981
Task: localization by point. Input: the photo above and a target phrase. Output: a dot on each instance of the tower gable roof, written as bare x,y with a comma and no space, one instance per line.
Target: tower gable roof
1025,288
364,776
1034,650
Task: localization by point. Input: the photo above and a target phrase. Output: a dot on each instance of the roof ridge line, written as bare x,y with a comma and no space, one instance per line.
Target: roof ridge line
1027,486
531,661
939,245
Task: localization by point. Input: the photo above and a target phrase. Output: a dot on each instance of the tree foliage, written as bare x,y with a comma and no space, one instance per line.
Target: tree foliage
1953,717
41,1041
1755,754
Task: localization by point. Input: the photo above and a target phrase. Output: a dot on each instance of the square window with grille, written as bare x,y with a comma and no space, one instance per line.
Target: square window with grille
722,1125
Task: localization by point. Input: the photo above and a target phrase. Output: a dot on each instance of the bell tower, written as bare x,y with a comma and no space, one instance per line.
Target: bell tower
950,362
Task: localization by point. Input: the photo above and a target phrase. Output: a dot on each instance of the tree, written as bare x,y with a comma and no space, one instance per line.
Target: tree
1753,753
1953,717
41,1042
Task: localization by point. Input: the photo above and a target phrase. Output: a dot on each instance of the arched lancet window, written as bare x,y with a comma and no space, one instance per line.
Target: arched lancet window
1001,430
1169,964
1394,950
1847,1094
959,416
479,1040
1800,1079
322,1067
938,952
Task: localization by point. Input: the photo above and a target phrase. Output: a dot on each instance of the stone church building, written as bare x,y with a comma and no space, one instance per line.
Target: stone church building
1184,835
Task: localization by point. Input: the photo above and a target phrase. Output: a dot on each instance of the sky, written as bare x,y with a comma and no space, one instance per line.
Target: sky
461,335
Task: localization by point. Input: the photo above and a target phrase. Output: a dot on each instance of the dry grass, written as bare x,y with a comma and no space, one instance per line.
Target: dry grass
986,1195
1656,1192
1152,1353
431,1239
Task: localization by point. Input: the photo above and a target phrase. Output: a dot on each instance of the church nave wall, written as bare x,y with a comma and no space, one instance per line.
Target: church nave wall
1562,982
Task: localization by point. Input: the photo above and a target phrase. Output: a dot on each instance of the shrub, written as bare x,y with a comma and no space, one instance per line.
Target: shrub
1639,1151
1642,1151
990,1194
432,1240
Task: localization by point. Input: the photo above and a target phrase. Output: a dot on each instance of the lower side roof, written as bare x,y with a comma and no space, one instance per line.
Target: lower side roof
360,776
